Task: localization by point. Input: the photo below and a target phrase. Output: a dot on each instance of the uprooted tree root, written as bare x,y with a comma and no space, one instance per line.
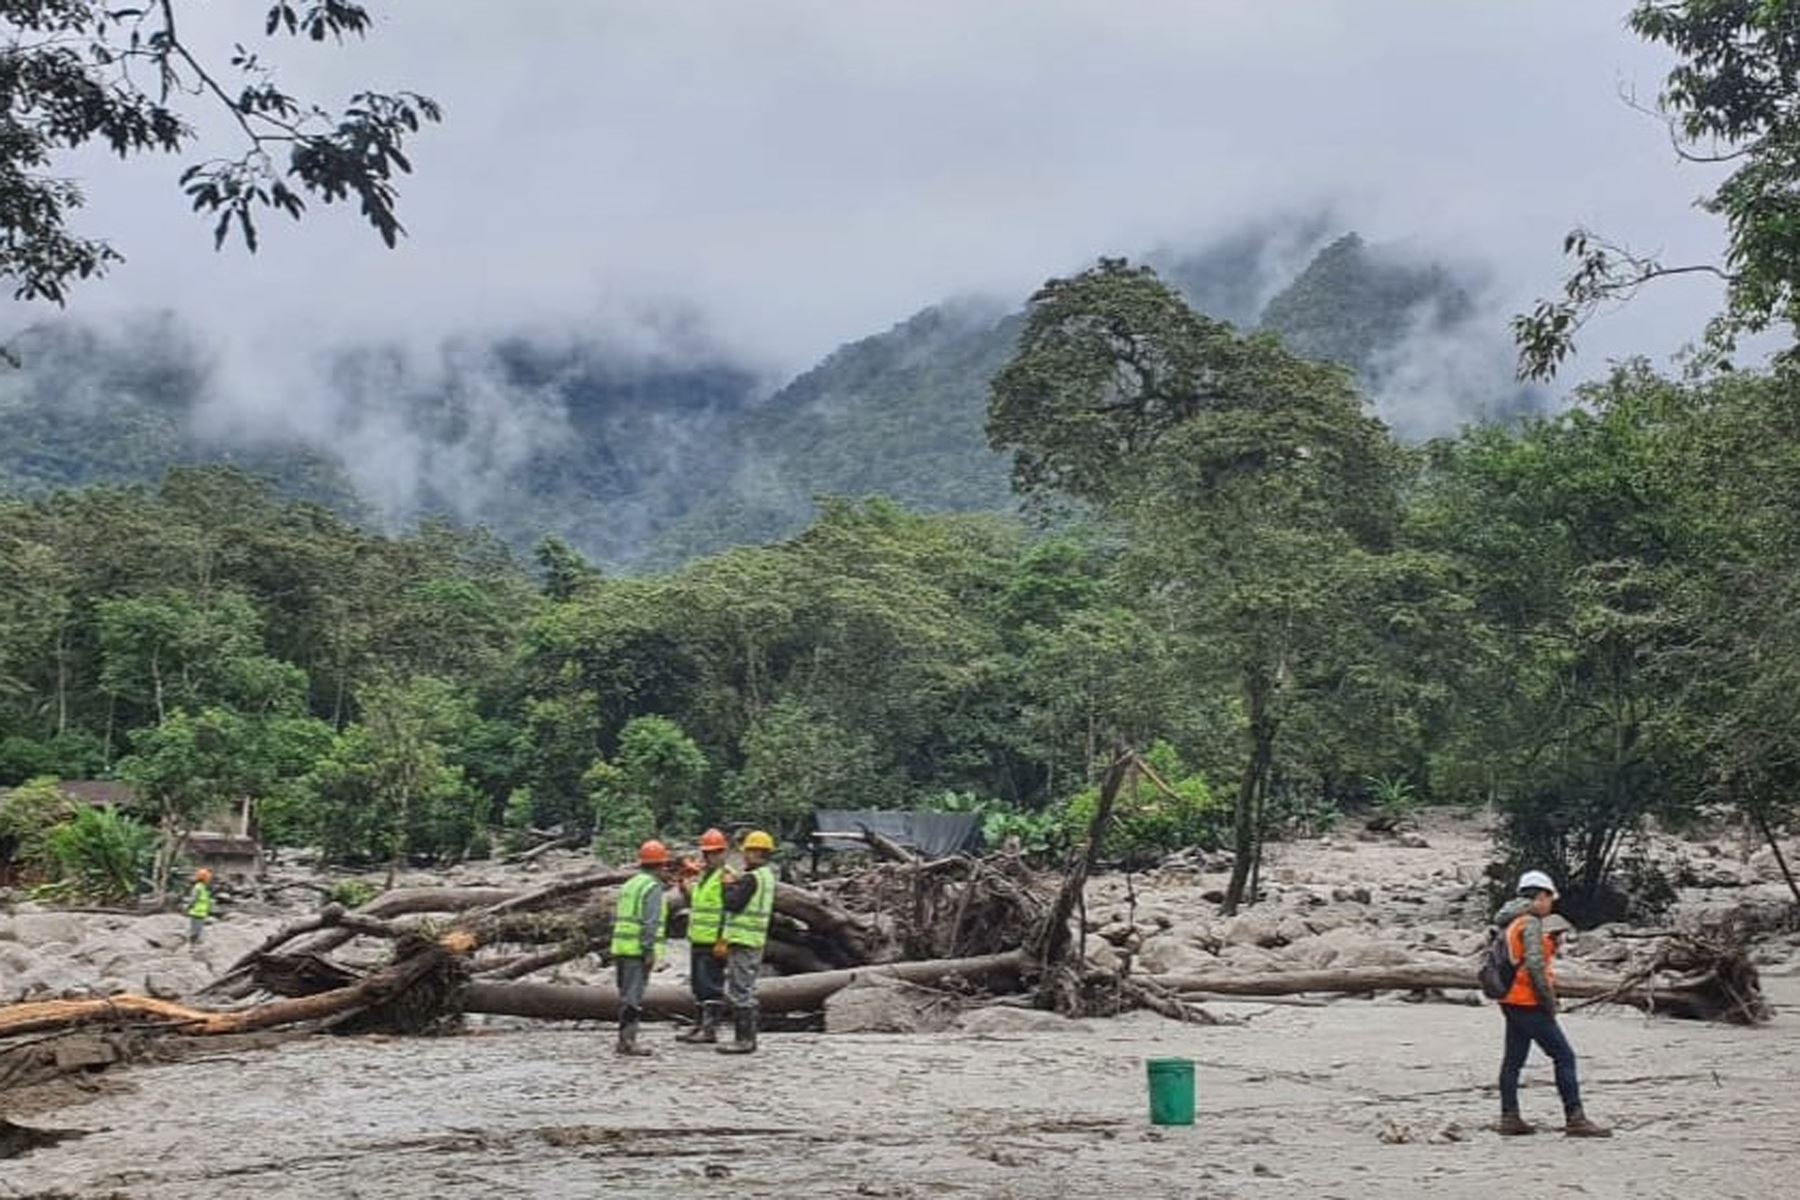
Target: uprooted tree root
1703,974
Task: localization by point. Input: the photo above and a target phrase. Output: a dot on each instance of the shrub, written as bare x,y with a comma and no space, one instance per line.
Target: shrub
99,855
352,893
1039,834
27,815
1148,823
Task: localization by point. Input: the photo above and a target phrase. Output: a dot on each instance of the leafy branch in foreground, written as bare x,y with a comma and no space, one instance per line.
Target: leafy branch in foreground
77,72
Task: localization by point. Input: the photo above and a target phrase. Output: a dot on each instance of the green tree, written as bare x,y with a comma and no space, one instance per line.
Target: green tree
80,72
1253,485
1576,530
191,769
388,785
1730,99
797,760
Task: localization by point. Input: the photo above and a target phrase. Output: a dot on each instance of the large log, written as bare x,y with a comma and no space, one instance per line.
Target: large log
406,902
793,993
48,1015
1694,999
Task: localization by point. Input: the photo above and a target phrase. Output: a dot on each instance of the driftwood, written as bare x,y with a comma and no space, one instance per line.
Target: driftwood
380,987
572,841
795,993
1696,998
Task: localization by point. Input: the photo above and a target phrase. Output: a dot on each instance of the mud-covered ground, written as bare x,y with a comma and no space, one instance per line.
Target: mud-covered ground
1352,1098
1355,1099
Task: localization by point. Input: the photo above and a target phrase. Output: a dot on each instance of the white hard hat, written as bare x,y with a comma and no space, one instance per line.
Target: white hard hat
1537,881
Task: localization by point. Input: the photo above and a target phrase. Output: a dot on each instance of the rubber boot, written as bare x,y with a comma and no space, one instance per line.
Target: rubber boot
707,1031
1579,1126
745,1041
1513,1125
628,1041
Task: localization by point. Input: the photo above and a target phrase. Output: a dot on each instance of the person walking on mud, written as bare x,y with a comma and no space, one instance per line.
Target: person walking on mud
1530,1005
749,907
199,906
707,949
640,930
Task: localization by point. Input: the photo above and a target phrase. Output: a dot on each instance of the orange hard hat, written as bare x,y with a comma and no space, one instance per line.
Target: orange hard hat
203,875
653,854
713,839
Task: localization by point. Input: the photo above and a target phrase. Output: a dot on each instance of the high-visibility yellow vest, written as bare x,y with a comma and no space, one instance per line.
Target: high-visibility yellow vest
628,917
750,928
201,908
706,909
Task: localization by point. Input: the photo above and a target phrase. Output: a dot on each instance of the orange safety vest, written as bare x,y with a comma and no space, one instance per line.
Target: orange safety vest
1523,994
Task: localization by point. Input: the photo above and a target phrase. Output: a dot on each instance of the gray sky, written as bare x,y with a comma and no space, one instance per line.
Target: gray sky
800,172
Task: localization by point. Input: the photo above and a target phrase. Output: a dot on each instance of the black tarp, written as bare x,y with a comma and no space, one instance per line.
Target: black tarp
928,834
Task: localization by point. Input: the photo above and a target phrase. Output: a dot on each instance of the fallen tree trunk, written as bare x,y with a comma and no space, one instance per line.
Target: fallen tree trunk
793,993
1694,998
48,1015
406,902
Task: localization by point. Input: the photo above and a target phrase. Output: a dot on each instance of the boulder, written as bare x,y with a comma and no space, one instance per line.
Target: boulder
1764,867
43,928
164,931
1172,956
1252,929
174,980
1291,929
1347,947
1252,959
873,1004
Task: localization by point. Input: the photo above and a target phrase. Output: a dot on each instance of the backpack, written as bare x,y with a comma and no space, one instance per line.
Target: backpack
1498,970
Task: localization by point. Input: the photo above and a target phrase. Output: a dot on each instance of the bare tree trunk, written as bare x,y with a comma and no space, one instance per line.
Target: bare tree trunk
1054,940
157,683
1761,817
62,680
1244,839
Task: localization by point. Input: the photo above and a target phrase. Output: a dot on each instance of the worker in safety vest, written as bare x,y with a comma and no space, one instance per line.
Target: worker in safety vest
199,905
640,929
1530,1009
749,906
704,886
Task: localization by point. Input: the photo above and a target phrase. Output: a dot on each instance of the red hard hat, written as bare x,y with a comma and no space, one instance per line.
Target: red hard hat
653,854
713,839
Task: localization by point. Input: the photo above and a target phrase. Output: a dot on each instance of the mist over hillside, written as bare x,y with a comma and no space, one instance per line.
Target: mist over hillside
653,448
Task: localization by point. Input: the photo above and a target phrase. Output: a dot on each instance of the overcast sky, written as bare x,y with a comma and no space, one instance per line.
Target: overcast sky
799,172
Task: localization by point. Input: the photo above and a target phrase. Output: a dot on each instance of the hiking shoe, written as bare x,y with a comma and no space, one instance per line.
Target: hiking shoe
1579,1126
1513,1125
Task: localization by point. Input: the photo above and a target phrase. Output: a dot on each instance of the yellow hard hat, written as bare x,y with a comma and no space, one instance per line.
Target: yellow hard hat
758,840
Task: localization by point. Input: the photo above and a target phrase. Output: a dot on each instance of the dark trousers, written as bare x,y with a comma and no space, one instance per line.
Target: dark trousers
632,977
1523,1027
706,974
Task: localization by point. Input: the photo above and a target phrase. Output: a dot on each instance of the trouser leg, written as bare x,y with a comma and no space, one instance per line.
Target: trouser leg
631,977
706,979
1518,1045
1554,1042
741,970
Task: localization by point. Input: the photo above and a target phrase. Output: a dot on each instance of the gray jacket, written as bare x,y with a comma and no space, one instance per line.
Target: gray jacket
1535,966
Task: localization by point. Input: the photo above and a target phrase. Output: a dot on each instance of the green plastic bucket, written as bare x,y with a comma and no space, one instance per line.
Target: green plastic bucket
1171,1091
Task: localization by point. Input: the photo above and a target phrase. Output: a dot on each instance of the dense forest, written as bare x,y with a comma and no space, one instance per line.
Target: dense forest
1584,619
